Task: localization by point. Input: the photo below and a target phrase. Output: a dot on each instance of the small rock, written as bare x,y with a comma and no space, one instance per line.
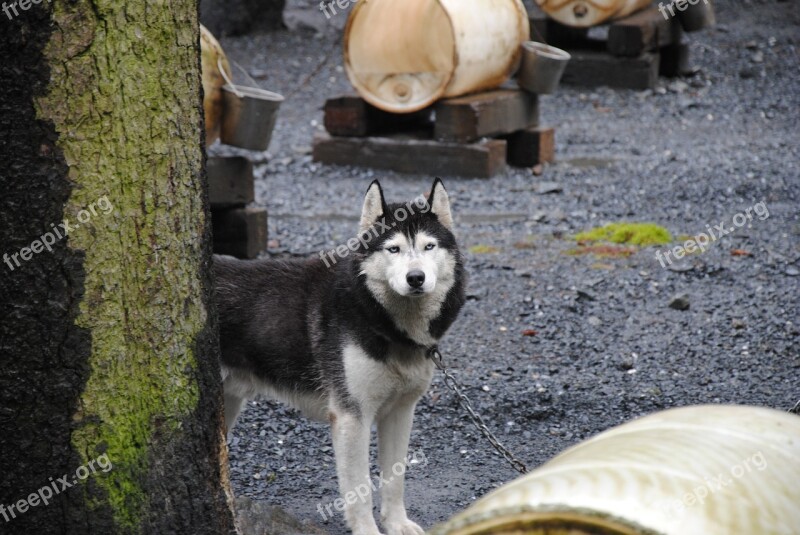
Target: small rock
256,517
679,302
594,321
628,361
259,74
694,70
680,268
678,86
582,294
738,323
758,57
687,102
747,73
539,216
549,187
792,271
537,169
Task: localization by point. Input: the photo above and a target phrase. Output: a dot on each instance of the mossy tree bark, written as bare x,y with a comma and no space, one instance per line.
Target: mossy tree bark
107,336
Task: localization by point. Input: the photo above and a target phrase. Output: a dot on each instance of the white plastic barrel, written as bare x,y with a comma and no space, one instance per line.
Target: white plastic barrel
403,55
586,13
705,470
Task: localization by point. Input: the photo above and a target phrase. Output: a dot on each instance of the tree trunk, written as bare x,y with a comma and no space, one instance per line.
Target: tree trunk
108,343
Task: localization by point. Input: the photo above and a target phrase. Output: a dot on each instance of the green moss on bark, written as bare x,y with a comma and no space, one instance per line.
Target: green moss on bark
129,73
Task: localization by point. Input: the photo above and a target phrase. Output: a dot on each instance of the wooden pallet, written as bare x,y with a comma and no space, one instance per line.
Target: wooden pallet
238,230
628,53
473,135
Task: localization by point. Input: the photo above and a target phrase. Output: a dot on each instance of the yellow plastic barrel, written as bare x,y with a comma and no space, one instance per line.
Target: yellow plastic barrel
586,13
402,56
705,470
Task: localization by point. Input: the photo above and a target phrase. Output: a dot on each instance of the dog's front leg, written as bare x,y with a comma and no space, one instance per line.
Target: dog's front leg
394,431
351,445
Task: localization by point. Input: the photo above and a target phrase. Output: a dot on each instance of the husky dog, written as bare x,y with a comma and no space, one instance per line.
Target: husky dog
344,339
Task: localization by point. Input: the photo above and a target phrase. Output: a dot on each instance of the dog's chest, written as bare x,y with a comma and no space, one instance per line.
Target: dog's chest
376,384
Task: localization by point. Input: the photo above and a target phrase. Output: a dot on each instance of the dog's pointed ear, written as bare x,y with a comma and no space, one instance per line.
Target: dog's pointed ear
374,206
440,204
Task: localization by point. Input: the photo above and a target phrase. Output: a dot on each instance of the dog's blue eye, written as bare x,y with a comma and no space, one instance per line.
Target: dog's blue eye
393,249
430,246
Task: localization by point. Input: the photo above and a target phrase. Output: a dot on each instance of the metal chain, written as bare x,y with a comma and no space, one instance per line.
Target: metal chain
463,400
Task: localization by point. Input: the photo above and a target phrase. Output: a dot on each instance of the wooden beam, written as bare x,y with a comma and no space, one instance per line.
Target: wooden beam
240,232
644,31
351,115
592,69
531,146
674,60
406,154
230,181
501,111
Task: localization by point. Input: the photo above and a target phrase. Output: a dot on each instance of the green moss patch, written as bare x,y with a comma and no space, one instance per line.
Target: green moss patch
639,234
483,249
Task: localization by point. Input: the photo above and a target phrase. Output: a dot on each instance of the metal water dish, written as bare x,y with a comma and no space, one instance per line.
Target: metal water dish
249,115
542,67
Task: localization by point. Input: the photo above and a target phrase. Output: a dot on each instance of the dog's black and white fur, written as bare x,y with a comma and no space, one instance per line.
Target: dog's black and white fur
346,341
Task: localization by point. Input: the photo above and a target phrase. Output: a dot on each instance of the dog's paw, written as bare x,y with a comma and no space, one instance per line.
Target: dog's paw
402,527
365,528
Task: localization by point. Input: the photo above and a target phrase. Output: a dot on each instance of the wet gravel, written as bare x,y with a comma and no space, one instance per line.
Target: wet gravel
555,347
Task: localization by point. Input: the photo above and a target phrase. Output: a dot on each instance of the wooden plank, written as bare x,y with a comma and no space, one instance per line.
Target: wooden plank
644,31
531,146
674,60
351,115
240,232
230,181
406,154
592,69
471,117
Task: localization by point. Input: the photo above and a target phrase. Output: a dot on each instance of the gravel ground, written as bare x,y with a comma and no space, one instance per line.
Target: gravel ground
608,348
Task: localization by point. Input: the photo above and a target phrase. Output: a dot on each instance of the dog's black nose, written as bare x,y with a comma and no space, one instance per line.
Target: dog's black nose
415,278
